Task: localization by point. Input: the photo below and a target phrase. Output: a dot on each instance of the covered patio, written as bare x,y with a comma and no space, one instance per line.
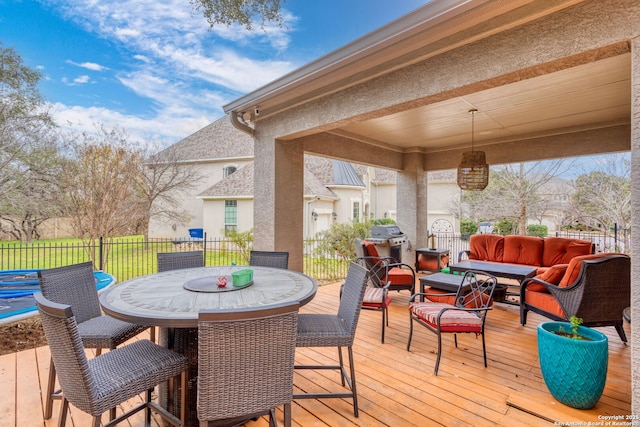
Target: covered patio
395,387
550,79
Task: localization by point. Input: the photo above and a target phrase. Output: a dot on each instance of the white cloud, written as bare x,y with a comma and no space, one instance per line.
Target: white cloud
88,65
166,128
81,79
185,69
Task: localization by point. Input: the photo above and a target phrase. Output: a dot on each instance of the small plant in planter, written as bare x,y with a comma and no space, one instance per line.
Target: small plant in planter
574,361
574,335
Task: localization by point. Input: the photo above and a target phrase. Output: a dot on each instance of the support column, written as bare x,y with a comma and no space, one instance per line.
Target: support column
635,225
278,198
411,205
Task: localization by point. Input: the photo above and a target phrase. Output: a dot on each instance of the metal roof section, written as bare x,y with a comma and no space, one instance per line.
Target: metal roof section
345,174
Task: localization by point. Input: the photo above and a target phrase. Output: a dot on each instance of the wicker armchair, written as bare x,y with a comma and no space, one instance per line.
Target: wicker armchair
269,259
376,296
467,314
599,294
336,330
168,261
75,285
104,382
245,364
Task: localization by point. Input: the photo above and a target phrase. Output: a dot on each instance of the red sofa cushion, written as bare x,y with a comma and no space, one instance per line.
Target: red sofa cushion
525,250
486,247
560,250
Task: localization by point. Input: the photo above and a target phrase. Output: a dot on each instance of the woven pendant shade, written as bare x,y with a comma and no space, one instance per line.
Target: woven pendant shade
473,170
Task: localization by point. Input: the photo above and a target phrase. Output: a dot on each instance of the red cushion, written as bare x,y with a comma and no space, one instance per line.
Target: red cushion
546,302
431,263
525,250
373,298
486,247
451,320
398,276
371,249
560,250
573,270
551,275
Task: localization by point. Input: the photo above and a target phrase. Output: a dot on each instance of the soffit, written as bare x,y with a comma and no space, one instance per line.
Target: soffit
590,96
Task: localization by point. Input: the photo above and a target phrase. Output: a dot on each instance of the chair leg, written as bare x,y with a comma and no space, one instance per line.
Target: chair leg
435,370
384,320
51,392
621,333
410,332
287,414
484,350
152,334
148,409
64,406
353,382
523,314
341,365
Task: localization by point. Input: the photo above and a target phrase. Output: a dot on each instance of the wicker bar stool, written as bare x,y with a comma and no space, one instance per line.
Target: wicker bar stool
245,364
168,261
336,330
104,382
75,285
269,259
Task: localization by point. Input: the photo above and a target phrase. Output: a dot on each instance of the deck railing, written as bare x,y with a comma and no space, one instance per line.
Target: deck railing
127,258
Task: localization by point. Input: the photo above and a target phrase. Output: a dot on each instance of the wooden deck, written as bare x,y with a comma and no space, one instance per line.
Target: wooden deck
395,387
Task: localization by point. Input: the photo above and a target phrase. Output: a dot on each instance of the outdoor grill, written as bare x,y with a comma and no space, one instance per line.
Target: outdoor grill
388,240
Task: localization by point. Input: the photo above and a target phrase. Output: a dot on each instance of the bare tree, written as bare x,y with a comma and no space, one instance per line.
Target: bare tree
514,192
161,184
605,193
242,12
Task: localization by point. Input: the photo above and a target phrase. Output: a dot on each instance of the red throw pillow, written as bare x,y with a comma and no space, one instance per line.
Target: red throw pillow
553,274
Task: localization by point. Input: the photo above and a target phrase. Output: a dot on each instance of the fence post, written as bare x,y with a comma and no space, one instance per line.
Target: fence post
100,263
204,249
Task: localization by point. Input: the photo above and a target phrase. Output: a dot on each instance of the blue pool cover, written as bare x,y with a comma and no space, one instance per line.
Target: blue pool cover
17,288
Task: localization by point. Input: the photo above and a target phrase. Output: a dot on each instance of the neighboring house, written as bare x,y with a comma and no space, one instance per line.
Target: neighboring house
334,190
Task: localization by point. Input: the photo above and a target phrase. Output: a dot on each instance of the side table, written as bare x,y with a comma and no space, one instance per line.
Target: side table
432,260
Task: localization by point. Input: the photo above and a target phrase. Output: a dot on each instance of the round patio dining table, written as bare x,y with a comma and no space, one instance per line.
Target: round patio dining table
173,299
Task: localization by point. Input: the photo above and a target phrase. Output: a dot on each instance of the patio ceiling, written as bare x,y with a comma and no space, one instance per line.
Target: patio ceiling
591,96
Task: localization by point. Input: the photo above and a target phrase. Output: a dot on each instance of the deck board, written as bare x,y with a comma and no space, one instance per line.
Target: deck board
395,387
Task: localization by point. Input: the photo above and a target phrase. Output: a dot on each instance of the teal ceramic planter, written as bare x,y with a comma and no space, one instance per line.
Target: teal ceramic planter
575,371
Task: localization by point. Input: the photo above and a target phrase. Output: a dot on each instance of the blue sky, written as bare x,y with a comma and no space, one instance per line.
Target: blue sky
155,68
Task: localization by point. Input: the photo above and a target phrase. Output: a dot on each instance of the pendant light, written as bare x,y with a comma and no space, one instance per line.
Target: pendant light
473,170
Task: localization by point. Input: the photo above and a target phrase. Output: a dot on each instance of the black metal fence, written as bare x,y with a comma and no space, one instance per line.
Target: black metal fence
126,258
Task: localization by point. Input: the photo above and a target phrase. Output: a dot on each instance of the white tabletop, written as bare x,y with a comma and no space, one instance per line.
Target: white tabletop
161,300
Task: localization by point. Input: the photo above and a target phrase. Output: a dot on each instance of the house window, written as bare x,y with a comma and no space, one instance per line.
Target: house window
356,212
230,216
228,171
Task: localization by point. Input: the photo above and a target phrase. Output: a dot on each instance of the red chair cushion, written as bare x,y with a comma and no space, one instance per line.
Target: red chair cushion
371,249
451,320
373,298
398,276
573,270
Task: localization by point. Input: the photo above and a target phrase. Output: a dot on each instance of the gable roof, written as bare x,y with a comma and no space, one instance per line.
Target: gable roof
240,184
219,140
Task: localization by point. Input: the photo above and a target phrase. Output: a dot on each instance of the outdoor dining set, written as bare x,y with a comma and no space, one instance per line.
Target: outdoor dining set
223,339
